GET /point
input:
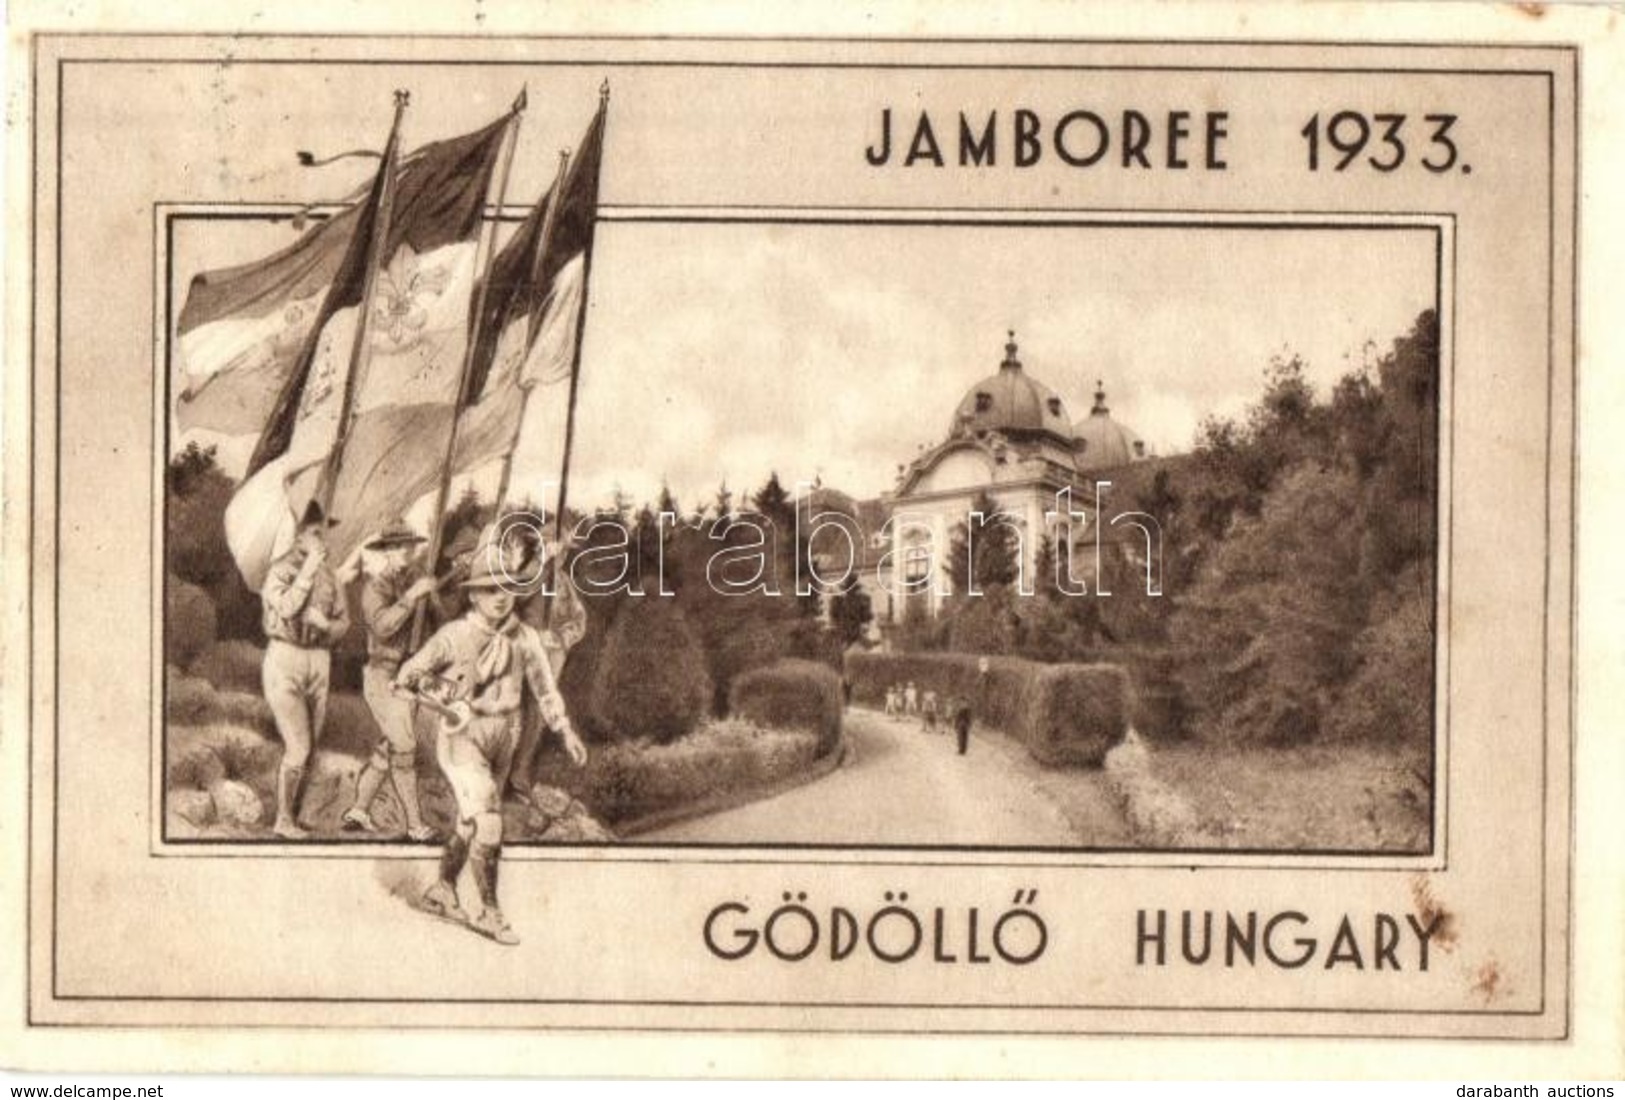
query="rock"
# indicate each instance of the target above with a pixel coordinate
(177, 827)
(191, 805)
(550, 801)
(578, 827)
(236, 803)
(329, 789)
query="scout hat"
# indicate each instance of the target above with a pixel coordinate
(397, 532)
(486, 566)
(485, 572)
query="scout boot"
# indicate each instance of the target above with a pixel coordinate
(492, 925)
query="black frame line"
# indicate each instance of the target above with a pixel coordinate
(989, 220)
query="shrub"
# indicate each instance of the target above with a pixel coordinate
(231, 665)
(792, 694)
(1062, 713)
(998, 699)
(189, 622)
(651, 679)
(205, 754)
(192, 700)
(630, 780)
(737, 645)
(1076, 713)
(985, 623)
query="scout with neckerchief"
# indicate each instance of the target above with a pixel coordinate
(304, 617)
(389, 601)
(476, 670)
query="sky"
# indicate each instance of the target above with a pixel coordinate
(724, 351)
(716, 352)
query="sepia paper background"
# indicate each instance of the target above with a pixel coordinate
(126, 928)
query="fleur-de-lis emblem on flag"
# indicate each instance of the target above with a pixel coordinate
(401, 303)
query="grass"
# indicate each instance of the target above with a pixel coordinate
(1346, 796)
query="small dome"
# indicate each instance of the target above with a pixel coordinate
(1103, 442)
(1012, 402)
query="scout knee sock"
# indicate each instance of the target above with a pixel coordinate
(288, 778)
(372, 778)
(453, 858)
(483, 863)
(403, 772)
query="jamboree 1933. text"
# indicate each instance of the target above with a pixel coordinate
(1333, 140)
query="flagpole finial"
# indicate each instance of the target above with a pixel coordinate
(603, 91)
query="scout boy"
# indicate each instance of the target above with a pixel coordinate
(485, 661)
(389, 602)
(304, 617)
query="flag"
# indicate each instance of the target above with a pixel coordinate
(527, 336)
(525, 278)
(242, 329)
(416, 336)
(393, 455)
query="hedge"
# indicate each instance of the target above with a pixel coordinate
(791, 694)
(1063, 713)
(189, 621)
(632, 780)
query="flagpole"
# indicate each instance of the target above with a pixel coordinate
(560, 184)
(581, 328)
(482, 287)
(361, 348)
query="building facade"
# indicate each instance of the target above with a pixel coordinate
(1011, 438)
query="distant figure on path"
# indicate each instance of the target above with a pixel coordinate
(959, 713)
(928, 711)
(911, 699)
(891, 702)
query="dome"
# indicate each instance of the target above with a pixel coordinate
(1103, 442)
(1012, 402)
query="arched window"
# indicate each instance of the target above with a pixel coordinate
(916, 564)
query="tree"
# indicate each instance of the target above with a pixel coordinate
(1264, 634)
(987, 623)
(198, 492)
(1045, 569)
(850, 612)
(773, 502)
(723, 508)
(983, 552)
(651, 678)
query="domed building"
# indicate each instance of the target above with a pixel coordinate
(1010, 437)
(1101, 442)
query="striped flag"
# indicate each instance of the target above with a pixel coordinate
(242, 329)
(416, 335)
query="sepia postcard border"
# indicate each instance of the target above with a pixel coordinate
(1570, 456)
(1442, 226)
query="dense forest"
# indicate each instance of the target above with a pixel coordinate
(1297, 597)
